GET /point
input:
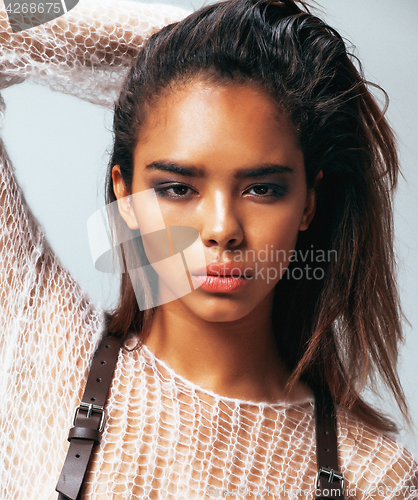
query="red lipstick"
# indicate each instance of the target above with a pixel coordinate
(220, 277)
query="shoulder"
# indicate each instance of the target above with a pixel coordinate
(375, 465)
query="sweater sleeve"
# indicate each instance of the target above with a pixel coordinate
(48, 327)
(85, 52)
(400, 479)
(375, 466)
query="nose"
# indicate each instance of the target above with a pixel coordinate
(221, 224)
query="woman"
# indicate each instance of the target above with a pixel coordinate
(248, 122)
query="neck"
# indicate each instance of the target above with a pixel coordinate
(237, 359)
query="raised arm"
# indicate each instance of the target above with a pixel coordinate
(48, 328)
(86, 51)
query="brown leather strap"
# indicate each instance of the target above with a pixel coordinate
(88, 419)
(329, 482)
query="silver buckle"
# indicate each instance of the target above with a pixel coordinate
(332, 474)
(90, 409)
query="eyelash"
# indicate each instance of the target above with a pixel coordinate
(277, 191)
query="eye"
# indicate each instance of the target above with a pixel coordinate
(266, 190)
(174, 191)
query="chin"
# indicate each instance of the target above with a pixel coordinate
(222, 317)
(217, 310)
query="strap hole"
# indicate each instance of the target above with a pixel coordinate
(326, 433)
(326, 449)
(107, 347)
(93, 399)
(77, 456)
(98, 379)
(102, 362)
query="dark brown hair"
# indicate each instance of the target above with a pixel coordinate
(345, 328)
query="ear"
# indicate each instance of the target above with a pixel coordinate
(310, 206)
(124, 199)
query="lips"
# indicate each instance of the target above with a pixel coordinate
(226, 270)
(220, 277)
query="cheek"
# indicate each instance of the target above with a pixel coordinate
(178, 213)
(275, 239)
(281, 226)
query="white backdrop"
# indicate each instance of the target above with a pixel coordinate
(59, 146)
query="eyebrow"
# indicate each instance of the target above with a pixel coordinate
(258, 171)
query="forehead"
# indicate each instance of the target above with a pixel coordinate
(207, 123)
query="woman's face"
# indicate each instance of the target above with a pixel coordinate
(223, 160)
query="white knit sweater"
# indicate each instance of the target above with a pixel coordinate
(164, 437)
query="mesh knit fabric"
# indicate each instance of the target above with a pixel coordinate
(164, 437)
